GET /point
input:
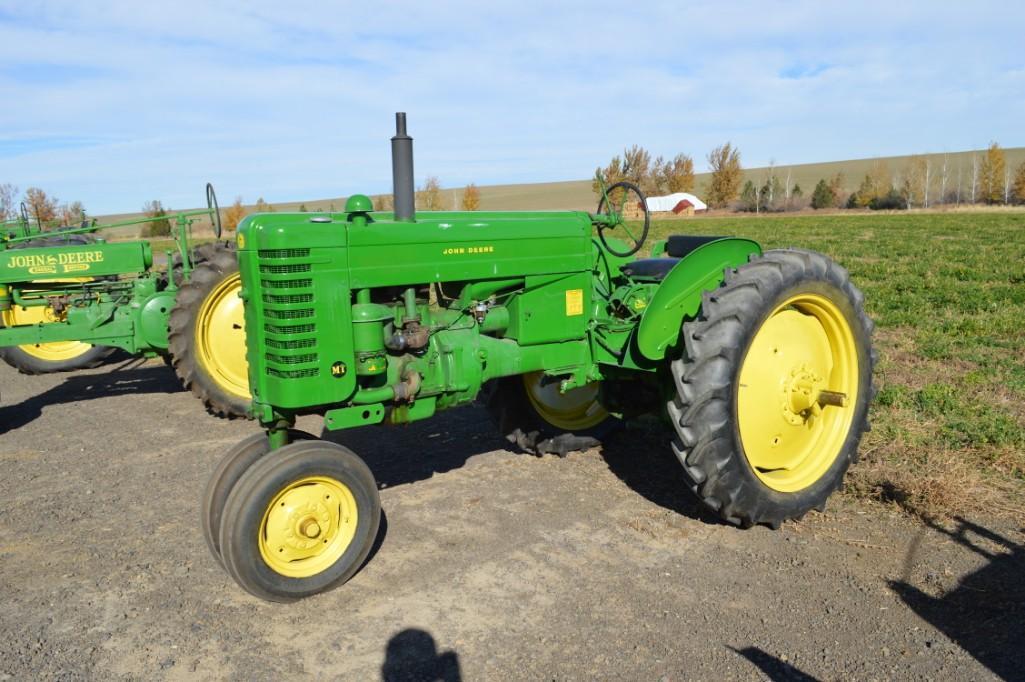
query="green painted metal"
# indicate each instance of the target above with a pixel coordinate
(679, 294)
(335, 305)
(63, 262)
(108, 293)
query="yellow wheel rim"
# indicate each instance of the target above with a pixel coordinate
(55, 351)
(221, 337)
(308, 526)
(797, 392)
(573, 410)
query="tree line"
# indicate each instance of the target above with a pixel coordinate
(920, 183)
(47, 210)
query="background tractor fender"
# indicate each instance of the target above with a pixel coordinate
(679, 294)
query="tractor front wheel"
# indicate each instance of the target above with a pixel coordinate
(533, 414)
(207, 336)
(229, 470)
(300, 522)
(773, 388)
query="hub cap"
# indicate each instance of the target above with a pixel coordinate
(797, 392)
(574, 410)
(221, 337)
(308, 526)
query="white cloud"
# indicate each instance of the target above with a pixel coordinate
(294, 101)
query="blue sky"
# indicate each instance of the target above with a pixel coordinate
(117, 103)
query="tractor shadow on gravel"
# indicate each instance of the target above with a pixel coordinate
(639, 456)
(985, 613)
(131, 377)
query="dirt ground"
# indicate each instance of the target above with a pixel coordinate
(491, 564)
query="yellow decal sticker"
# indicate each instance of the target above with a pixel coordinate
(241, 240)
(43, 270)
(574, 302)
(76, 267)
(640, 304)
(459, 250)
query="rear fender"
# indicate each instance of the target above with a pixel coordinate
(679, 294)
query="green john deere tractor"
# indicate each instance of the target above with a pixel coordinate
(760, 361)
(68, 299)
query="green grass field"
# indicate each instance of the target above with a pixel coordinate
(947, 293)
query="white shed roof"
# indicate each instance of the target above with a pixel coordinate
(669, 202)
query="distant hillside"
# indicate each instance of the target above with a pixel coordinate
(577, 195)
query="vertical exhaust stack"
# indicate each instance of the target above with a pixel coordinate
(402, 171)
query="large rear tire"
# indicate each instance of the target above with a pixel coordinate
(531, 413)
(773, 388)
(206, 336)
(57, 356)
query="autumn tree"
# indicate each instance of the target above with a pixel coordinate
(1018, 185)
(471, 198)
(71, 214)
(384, 202)
(8, 197)
(263, 207)
(727, 173)
(156, 228)
(675, 175)
(428, 197)
(40, 206)
(991, 175)
(234, 215)
(610, 175)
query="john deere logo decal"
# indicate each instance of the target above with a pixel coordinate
(47, 264)
(338, 369)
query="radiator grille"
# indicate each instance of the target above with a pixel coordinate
(284, 253)
(286, 269)
(290, 332)
(289, 314)
(286, 299)
(286, 284)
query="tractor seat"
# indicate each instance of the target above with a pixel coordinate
(649, 268)
(677, 247)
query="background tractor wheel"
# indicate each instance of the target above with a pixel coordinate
(206, 336)
(773, 388)
(233, 464)
(300, 522)
(57, 356)
(530, 412)
(200, 254)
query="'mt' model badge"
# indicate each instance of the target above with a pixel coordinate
(338, 369)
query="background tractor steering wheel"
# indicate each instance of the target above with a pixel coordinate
(215, 216)
(623, 206)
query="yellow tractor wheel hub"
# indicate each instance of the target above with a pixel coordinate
(221, 337)
(575, 410)
(797, 392)
(308, 526)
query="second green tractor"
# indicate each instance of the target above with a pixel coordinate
(69, 299)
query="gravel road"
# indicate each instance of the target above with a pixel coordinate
(491, 564)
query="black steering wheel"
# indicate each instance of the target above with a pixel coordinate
(215, 216)
(626, 208)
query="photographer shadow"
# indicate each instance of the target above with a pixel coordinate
(985, 613)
